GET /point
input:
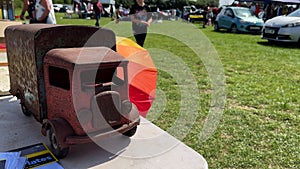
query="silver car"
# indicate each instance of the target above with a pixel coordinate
(283, 28)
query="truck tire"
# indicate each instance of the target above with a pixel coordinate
(56, 149)
(25, 111)
(130, 132)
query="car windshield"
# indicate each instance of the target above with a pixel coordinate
(295, 13)
(243, 12)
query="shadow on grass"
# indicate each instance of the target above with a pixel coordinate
(280, 44)
(238, 33)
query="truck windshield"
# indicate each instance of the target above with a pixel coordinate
(103, 77)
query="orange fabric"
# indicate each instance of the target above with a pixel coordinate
(142, 77)
(142, 74)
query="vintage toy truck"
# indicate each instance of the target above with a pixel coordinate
(72, 81)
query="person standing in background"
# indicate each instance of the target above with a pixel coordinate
(112, 13)
(28, 5)
(285, 10)
(269, 11)
(253, 7)
(257, 9)
(98, 10)
(44, 12)
(141, 19)
(205, 15)
(119, 13)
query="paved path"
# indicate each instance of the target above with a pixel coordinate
(4, 76)
(149, 148)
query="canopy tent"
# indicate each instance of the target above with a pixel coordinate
(225, 2)
(229, 2)
(287, 1)
(142, 74)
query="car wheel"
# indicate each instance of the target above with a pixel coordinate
(216, 26)
(234, 28)
(271, 41)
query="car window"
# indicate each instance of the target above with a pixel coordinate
(222, 11)
(243, 12)
(228, 12)
(295, 13)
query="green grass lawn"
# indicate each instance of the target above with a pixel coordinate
(260, 123)
(259, 127)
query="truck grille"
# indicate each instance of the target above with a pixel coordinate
(107, 110)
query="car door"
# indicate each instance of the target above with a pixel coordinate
(220, 18)
(228, 18)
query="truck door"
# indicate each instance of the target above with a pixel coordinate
(58, 92)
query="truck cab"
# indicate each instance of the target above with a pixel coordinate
(87, 89)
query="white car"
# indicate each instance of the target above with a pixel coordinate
(283, 28)
(57, 7)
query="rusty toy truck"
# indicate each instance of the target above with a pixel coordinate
(71, 79)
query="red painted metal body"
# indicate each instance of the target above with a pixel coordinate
(26, 47)
(76, 87)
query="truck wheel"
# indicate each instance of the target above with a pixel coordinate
(130, 132)
(25, 111)
(56, 149)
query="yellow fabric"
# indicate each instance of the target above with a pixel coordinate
(127, 42)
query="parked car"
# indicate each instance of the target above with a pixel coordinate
(57, 7)
(64, 8)
(283, 28)
(197, 15)
(238, 19)
(61, 7)
(192, 14)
